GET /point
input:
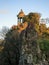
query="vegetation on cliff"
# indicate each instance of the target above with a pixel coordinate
(27, 38)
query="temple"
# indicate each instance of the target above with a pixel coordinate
(20, 16)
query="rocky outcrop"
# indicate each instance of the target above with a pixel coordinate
(22, 48)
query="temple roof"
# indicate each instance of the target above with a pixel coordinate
(21, 14)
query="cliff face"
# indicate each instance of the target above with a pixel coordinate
(23, 46)
(31, 53)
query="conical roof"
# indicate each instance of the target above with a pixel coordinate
(21, 14)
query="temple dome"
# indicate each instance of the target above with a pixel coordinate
(21, 14)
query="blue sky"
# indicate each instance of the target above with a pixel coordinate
(10, 8)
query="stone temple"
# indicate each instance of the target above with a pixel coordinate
(20, 16)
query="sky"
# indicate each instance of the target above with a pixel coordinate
(9, 10)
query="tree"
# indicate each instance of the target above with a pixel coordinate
(34, 18)
(44, 46)
(11, 52)
(3, 31)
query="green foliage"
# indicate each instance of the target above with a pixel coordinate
(34, 19)
(44, 45)
(45, 35)
(11, 52)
